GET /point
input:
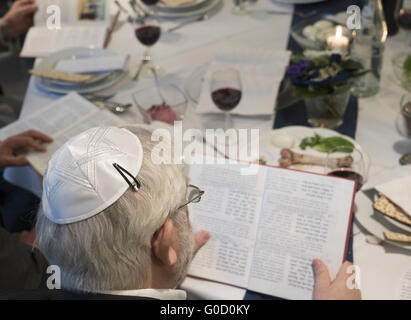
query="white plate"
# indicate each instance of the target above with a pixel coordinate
(208, 7)
(106, 83)
(72, 53)
(271, 153)
(183, 8)
(374, 222)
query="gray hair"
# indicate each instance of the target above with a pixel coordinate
(112, 250)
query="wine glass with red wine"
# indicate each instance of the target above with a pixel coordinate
(148, 32)
(226, 92)
(348, 162)
(403, 15)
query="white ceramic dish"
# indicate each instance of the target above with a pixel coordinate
(103, 80)
(198, 4)
(208, 7)
(106, 83)
(72, 54)
(271, 153)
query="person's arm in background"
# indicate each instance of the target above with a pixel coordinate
(21, 265)
(17, 20)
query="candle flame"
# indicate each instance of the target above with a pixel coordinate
(338, 32)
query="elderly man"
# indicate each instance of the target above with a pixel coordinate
(117, 223)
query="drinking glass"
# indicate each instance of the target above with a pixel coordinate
(226, 92)
(148, 32)
(403, 15)
(353, 165)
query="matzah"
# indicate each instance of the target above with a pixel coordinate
(62, 76)
(176, 3)
(395, 236)
(386, 207)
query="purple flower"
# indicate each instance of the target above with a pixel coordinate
(299, 69)
(335, 57)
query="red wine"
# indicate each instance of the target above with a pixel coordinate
(404, 19)
(344, 173)
(148, 35)
(226, 99)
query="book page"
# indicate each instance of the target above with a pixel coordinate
(40, 41)
(304, 216)
(73, 12)
(60, 120)
(229, 211)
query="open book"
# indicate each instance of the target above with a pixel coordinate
(266, 228)
(84, 23)
(61, 120)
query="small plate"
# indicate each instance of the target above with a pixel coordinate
(374, 222)
(271, 153)
(210, 6)
(183, 8)
(72, 54)
(305, 43)
(107, 82)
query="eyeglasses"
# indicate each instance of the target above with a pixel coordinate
(193, 195)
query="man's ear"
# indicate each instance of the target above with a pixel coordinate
(163, 244)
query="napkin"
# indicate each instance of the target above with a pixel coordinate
(261, 72)
(91, 65)
(398, 191)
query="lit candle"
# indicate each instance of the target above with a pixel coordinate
(339, 42)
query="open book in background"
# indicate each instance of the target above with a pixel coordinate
(266, 228)
(61, 120)
(84, 23)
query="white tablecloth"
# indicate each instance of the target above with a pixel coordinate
(180, 53)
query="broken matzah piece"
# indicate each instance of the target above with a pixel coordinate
(62, 76)
(386, 207)
(395, 236)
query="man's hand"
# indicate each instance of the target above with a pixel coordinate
(18, 19)
(325, 289)
(11, 147)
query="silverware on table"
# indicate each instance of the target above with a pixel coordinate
(115, 107)
(203, 17)
(146, 59)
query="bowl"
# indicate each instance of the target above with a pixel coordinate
(314, 43)
(146, 99)
(398, 64)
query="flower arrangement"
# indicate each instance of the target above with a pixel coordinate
(322, 75)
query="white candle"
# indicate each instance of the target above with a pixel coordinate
(339, 42)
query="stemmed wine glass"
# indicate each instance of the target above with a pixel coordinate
(148, 32)
(226, 92)
(353, 165)
(403, 15)
(403, 124)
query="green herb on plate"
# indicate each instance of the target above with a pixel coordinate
(327, 144)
